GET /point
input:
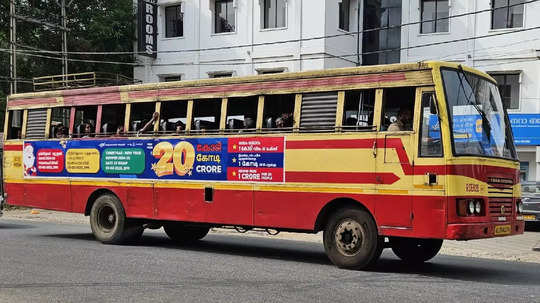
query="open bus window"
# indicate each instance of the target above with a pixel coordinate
(60, 122)
(358, 109)
(242, 113)
(173, 117)
(141, 114)
(398, 109)
(278, 111)
(15, 124)
(206, 114)
(112, 119)
(85, 121)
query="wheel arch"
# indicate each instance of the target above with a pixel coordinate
(96, 194)
(339, 203)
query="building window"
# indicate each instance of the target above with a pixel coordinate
(171, 78)
(434, 16)
(174, 21)
(506, 13)
(381, 40)
(344, 14)
(274, 13)
(509, 88)
(224, 16)
(267, 71)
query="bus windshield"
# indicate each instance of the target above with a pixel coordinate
(478, 121)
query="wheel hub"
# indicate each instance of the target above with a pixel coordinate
(106, 218)
(349, 237)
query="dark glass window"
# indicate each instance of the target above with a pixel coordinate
(174, 21)
(60, 122)
(509, 88)
(430, 128)
(274, 13)
(15, 124)
(221, 75)
(432, 12)
(506, 13)
(172, 78)
(381, 46)
(224, 16)
(344, 14)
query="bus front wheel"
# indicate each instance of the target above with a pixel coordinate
(109, 223)
(351, 239)
(413, 250)
(183, 233)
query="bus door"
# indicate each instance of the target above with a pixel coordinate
(395, 152)
(429, 169)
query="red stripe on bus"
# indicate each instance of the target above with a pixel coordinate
(17, 147)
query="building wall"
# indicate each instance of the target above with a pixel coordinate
(306, 19)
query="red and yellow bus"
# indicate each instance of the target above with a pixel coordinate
(392, 156)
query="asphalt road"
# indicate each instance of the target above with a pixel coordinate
(47, 262)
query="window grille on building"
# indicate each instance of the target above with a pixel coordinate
(224, 16)
(344, 14)
(509, 88)
(174, 21)
(506, 13)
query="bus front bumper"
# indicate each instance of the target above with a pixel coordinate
(470, 231)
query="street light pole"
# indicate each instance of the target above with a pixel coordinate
(64, 40)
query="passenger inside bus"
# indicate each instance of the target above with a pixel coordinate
(403, 121)
(155, 117)
(60, 132)
(285, 120)
(87, 130)
(179, 127)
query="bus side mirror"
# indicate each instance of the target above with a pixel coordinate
(433, 105)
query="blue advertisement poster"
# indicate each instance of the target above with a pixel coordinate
(526, 128)
(217, 159)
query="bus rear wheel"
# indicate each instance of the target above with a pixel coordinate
(184, 233)
(351, 239)
(109, 223)
(412, 250)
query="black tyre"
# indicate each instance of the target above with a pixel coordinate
(109, 223)
(351, 239)
(412, 250)
(184, 233)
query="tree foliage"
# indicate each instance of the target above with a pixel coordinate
(95, 26)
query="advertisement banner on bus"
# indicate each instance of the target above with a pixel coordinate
(214, 159)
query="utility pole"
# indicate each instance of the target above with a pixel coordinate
(64, 39)
(13, 47)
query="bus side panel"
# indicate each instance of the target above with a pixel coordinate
(15, 193)
(48, 195)
(297, 210)
(81, 193)
(228, 206)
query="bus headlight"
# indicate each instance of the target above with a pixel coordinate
(519, 206)
(471, 207)
(478, 207)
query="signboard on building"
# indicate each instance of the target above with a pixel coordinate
(147, 27)
(526, 128)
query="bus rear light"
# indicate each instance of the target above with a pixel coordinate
(470, 207)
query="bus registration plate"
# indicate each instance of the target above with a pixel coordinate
(502, 230)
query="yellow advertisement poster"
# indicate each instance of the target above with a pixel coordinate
(82, 160)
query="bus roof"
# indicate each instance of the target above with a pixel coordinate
(118, 94)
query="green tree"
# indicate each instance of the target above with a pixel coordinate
(95, 26)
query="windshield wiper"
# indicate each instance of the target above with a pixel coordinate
(486, 125)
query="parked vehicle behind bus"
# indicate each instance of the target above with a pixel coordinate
(393, 156)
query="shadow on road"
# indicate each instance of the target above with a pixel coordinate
(532, 226)
(5, 225)
(444, 267)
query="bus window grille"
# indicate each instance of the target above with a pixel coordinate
(36, 122)
(318, 111)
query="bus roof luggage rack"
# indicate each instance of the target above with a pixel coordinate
(80, 80)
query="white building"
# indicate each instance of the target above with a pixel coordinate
(201, 39)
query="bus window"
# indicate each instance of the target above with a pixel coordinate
(141, 113)
(59, 122)
(85, 118)
(206, 114)
(398, 109)
(242, 113)
(15, 124)
(112, 119)
(278, 111)
(358, 109)
(173, 117)
(430, 130)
